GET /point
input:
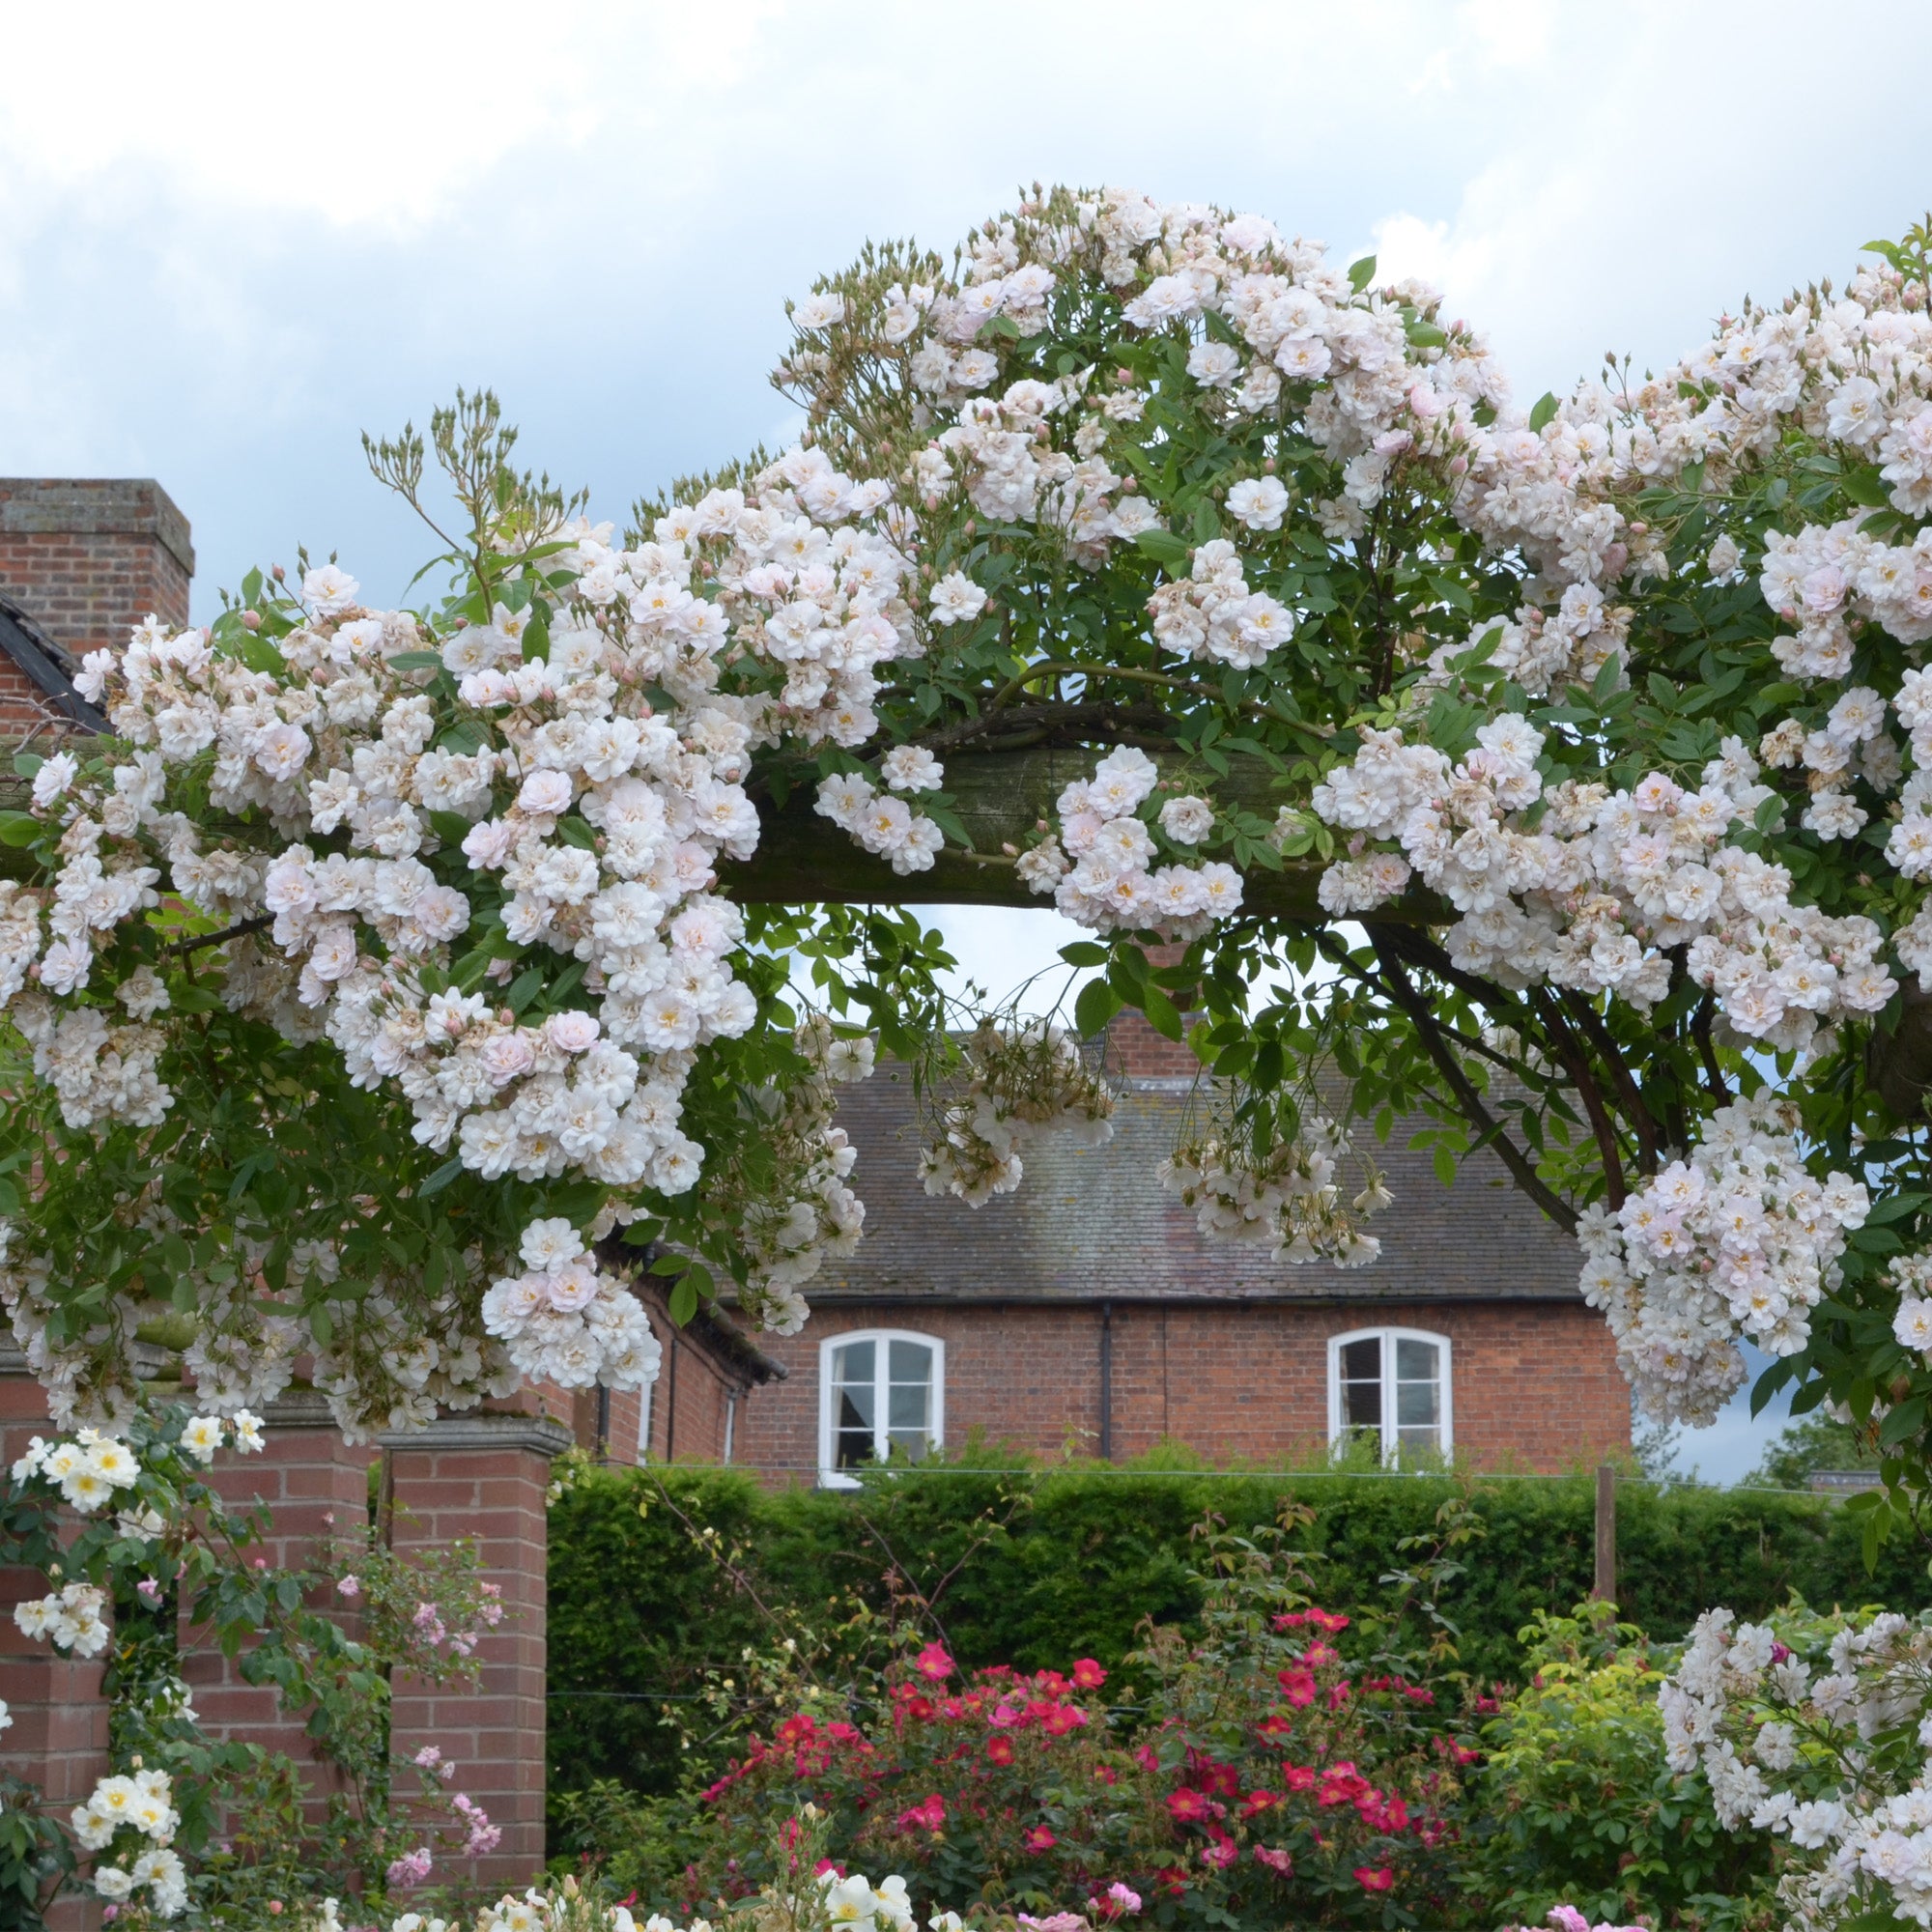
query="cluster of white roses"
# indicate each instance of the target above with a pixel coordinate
(881, 823)
(1302, 332)
(850, 1903)
(70, 1618)
(1825, 575)
(1604, 885)
(999, 451)
(141, 1803)
(100, 1072)
(1098, 864)
(1912, 1276)
(1211, 614)
(88, 1469)
(853, 1900)
(802, 1210)
(1018, 1082)
(1823, 1740)
(567, 1322)
(588, 823)
(403, 1357)
(1738, 1238)
(1285, 1194)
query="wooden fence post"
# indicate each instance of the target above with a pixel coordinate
(1606, 1534)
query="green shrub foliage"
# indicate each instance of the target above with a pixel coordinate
(660, 1582)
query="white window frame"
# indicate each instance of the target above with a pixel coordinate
(1338, 1425)
(830, 1475)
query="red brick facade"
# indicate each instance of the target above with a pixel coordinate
(1532, 1386)
(1089, 1277)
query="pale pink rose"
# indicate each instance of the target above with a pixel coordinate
(333, 953)
(507, 1055)
(571, 1031)
(545, 794)
(573, 1286)
(489, 845)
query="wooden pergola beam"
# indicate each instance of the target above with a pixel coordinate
(998, 797)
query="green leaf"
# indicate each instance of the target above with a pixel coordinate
(1361, 274)
(416, 661)
(1894, 1208)
(1864, 485)
(523, 989)
(1084, 952)
(1544, 412)
(694, 1282)
(1165, 548)
(1096, 1004)
(1161, 1013)
(1445, 1164)
(1426, 335)
(1904, 1422)
(442, 1178)
(19, 828)
(451, 827)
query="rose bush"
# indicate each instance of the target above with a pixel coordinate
(1261, 1777)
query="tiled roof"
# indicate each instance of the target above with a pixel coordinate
(1092, 1223)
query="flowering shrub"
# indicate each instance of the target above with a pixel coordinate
(134, 1544)
(1263, 1778)
(1576, 1809)
(1817, 1729)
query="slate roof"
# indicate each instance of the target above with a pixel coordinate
(1088, 1224)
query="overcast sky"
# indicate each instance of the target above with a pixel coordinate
(233, 237)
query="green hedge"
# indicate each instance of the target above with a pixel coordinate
(1047, 1566)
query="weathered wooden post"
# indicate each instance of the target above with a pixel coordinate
(1606, 1587)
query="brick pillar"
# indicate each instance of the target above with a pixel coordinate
(58, 1739)
(485, 1477)
(90, 557)
(306, 1474)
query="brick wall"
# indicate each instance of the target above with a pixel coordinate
(58, 1739)
(88, 558)
(1535, 1385)
(311, 1482)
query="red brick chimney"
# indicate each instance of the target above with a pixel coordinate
(88, 558)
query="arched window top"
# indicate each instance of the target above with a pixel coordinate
(1391, 1386)
(882, 1396)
